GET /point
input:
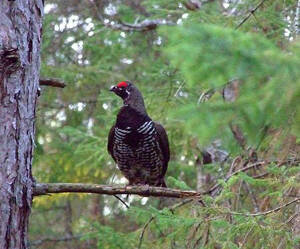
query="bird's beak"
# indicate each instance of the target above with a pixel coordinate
(112, 88)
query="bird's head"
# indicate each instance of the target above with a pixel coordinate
(122, 89)
(130, 94)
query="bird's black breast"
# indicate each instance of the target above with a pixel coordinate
(129, 124)
(129, 117)
(137, 149)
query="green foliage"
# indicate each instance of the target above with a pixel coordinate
(107, 237)
(215, 55)
(177, 184)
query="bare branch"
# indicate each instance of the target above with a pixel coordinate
(180, 204)
(143, 231)
(52, 82)
(47, 188)
(252, 195)
(246, 237)
(251, 166)
(267, 212)
(145, 25)
(250, 13)
(54, 239)
(125, 204)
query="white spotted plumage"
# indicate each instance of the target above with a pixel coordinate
(147, 155)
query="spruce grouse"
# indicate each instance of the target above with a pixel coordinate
(138, 145)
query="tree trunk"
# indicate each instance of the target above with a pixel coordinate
(20, 37)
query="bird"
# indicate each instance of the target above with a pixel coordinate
(138, 145)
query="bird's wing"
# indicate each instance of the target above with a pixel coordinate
(110, 143)
(164, 146)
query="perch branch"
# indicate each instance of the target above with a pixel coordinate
(48, 188)
(52, 82)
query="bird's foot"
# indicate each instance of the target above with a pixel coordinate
(146, 188)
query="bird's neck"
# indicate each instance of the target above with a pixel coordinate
(131, 117)
(136, 102)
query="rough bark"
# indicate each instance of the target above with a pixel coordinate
(20, 36)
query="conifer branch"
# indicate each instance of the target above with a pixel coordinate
(143, 190)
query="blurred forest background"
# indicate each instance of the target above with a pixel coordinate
(222, 76)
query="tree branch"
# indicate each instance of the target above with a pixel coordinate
(54, 239)
(52, 82)
(47, 188)
(266, 212)
(250, 13)
(145, 25)
(251, 166)
(125, 204)
(143, 231)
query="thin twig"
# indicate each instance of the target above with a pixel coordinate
(235, 173)
(266, 212)
(194, 229)
(49, 239)
(291, 218)
(180, 204)
(122, 201)
(250, 13)
(144, 25)
(253, 197)
(143, 231)
(246, 237)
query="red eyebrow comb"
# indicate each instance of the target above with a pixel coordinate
(122, 84)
